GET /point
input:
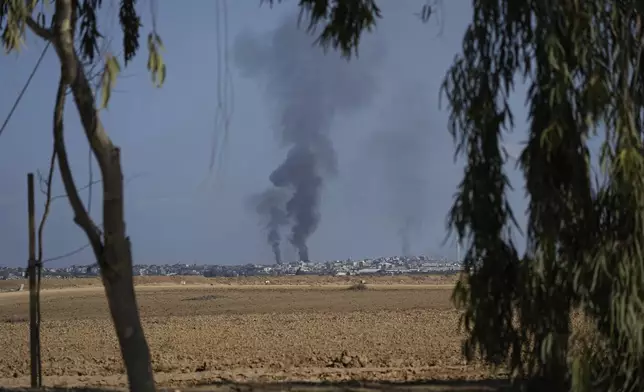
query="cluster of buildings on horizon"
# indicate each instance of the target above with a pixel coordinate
(382, 265)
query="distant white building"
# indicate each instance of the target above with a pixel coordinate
(366, 271)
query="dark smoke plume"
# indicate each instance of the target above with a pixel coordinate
(270, 205)
(401, 147)
(307, 89)
(299, 171)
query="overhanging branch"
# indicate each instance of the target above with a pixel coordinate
(37, 29)
(81, 216)
(44, 183)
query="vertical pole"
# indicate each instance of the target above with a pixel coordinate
(34, 333)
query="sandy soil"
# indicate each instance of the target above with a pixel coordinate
(302, 280)
(212, 331)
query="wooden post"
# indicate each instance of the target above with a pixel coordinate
(34, 323)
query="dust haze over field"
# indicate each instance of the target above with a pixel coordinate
(308, 88)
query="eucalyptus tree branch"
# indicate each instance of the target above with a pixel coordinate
(37, 29)
(81, 216)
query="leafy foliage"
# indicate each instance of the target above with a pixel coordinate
(130, 23)
(156, 66)
(16, 15)
(88, 28)
(12, 26)
(344, 21)
(584, 240)
(108, 79)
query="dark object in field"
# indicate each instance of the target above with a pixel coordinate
(207, 297)
(15, 319)
(358, 286)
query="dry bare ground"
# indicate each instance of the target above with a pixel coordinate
(236, 334)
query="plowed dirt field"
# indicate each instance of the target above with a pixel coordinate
(206, 332)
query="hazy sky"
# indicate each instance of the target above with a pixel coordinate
(176, 209)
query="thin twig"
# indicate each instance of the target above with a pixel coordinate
(43, 184)
(91, 180)
(68, 254)
(45, 214)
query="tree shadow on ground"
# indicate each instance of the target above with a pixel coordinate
(353, 386)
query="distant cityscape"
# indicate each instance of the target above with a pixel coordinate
(396, 265)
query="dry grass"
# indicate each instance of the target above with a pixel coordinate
(210, 331)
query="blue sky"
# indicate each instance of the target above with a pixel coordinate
(176, 208)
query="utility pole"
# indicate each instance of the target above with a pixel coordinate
(34, 314)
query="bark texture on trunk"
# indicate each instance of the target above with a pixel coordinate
(125, 315)
(112, 246)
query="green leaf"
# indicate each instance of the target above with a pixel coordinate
(111, 70)
(156, 65)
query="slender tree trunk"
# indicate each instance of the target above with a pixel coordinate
(119, 283)
(112, 251)
(121, 299)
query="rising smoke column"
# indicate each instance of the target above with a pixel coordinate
(400, 149)
(302, 206)
(270, 205)
(307, 89)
